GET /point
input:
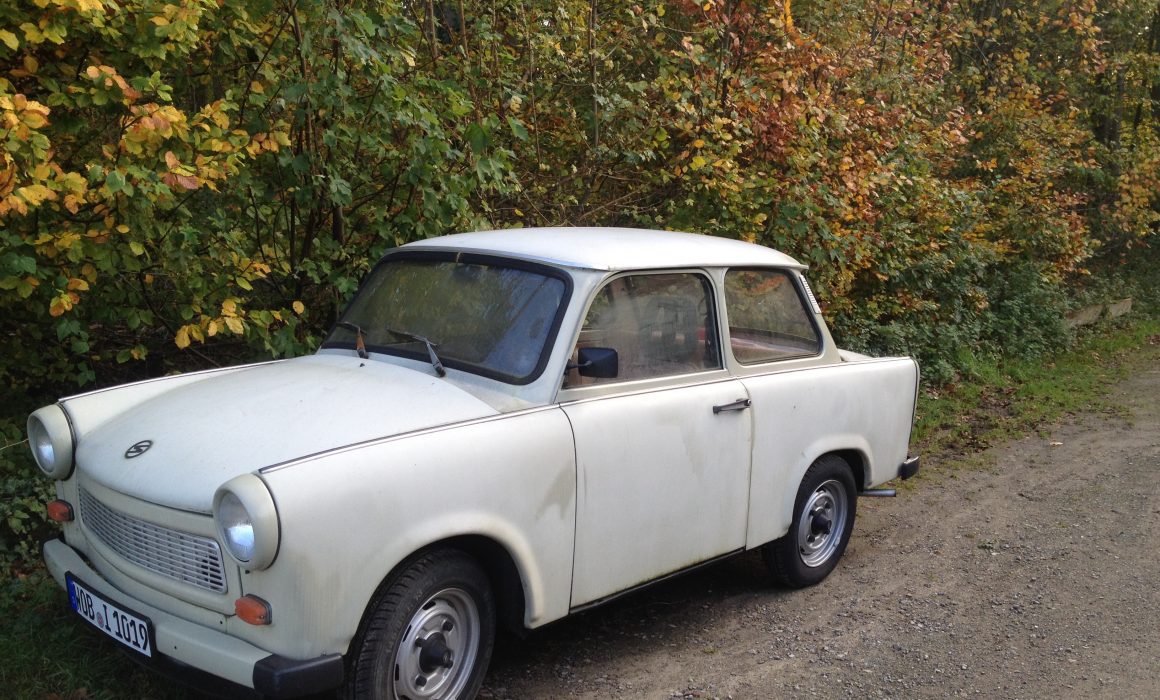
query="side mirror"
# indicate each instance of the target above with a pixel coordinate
(601, 363)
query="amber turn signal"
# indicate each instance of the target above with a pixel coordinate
(252, 609)
(60, 511)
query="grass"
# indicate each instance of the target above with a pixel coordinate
(998, 400)
(49, 655)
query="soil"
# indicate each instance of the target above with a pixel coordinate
(1030, 573)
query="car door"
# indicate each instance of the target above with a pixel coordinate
(775, 347)
(662, 449)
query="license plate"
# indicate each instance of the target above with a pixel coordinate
(125, 626)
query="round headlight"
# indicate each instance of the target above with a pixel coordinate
(237, 527)
(51, 440)
(247, 521)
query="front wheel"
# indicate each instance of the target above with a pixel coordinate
(822, 522)
(430, 634)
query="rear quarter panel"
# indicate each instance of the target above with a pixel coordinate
(800, 415)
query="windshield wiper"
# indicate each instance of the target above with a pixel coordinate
(360, 345)
(430, 349)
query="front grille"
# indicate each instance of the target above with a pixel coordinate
(191, 559)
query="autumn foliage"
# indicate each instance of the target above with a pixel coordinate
(191, 183)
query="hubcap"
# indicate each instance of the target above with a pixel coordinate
(437, 652)
(822, 522)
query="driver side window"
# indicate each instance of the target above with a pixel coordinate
(659, 325)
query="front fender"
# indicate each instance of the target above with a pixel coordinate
(350, 517)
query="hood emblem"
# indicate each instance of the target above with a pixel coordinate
(138, 449)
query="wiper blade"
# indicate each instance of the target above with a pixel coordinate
(360, 345)
(430, 349)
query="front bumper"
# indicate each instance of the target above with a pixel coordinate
(202, 656)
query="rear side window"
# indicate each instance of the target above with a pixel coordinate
(768, 317)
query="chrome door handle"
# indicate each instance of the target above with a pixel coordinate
(738, 405)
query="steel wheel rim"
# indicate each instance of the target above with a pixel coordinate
(438, 649)
(822, 522)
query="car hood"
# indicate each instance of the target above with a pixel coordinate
(206, 432)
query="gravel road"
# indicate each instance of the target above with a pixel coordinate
(1030, 574)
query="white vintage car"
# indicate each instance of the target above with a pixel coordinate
(504, 428)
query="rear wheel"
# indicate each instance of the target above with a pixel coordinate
(430, 634)
(822, 522)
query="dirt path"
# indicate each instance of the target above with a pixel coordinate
(1032, 576)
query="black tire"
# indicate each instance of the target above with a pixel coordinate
(823, 518)
(429, 635)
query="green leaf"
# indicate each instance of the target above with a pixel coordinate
(518, 129)
(115, 181)
(478, 138)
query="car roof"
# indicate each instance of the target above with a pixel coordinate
(610, 248)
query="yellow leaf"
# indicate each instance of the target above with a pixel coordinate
(699, 143)
(60, 304)
(229, 307)
(10, 39)
(235, 324)
(159, 21)
(213, 328)
(35, 194)
(34, 119)
(32, 33)
(72, 182)
(182, 338)
(79, 284)
(299, 308)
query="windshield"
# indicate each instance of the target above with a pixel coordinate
(480, 314)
